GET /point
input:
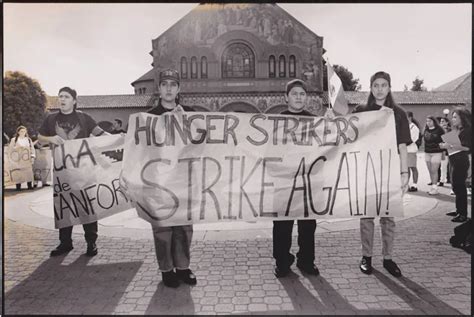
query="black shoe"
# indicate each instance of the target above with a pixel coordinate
(61, 249)
(441, 184)
(452, 213)
(459, 218)
(366, 265)
(46, 184)
(170, 279)
(308, 269)
(187, 276)
(430, 184)
(282, 272)
(392, 268)
(412, 189)
(91, 249)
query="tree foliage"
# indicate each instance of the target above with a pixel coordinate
(346, 76)
(418, 85)
(24, 103)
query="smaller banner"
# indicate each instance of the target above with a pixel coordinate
(42, 165)
(86, 180)
(17, 167)
(337, 99)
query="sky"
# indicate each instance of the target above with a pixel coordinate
(99, 49)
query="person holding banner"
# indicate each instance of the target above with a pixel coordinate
(381, 96)
(22, 140)
(69, 124)
(295, 96)
(458, 143)
(172, 244)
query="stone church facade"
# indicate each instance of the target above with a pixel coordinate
(237, 57)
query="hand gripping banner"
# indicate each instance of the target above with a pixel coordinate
(183, 168)
(86, 180)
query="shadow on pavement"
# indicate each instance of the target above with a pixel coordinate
(77, 288)
(171, 301)
(419, 298)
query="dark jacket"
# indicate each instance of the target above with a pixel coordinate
(432, 140)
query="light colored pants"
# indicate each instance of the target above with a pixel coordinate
(387, 226)
(444, 170)
(172, 246)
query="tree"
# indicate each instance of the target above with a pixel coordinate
(346, 76)
(418, 85)
(24, 103)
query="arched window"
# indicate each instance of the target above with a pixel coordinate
(292, 62)
(184, 68)
(282, 66)
(238, 61)
(203, 67)
(271, 66)
(194, 71)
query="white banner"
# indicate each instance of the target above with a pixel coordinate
(17, 165)
(42, 165)
(210, 167)
(86, 180)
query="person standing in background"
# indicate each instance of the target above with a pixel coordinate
(433, 153)
(459, 159)
(412, 150)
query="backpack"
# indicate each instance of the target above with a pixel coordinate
(463, 237)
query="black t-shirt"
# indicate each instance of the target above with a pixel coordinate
(160, 109)
(465, 136)
(432, 138)
(301, 113)
(76, 125)
(402, 125)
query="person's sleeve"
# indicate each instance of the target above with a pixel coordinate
(32, 149)
(44, 129)
(403, 129)
(414, 133)
(466, 139)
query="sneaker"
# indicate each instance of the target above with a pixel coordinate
(46, 184)
(61, 249)
(308, 269)
(412, 189)
(170, 279)
(392, 268)
(440, 184)
(366, 265)
(91, 249)
(459, 218)
(452, 213)
(187, 276)
(430, 184)
(451, 193)
(433, 191)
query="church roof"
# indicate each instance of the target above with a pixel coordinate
(456, 84)
(105, 101)
(353, 98)
(146, 77)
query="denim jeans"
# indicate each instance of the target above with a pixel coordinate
(387, 226)
(172, 246)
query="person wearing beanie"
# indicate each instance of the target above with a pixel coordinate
(69, 124)
(172, 244)
(295, 95)
(433, 152)
(381, 96)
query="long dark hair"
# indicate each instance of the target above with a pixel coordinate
(448, 121)
(465, 117)
(435, 121)
(410, 115)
